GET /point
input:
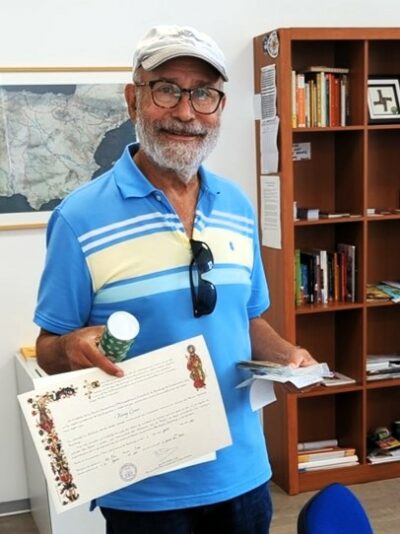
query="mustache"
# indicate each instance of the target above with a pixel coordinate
(180, 128)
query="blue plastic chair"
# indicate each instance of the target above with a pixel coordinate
(333, 510)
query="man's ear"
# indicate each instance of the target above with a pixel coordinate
(223, 102)
(130, 97)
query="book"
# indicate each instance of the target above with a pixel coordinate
(331, 466)
(297, 278)
(349, 284)
(382, 361)
(333, 214)
(392, 283)
(323, 68)
(392, 292)
(337, 379)
(294, 99)
(300, 101)
(328, 461)
(310, 445)
(382, 211)
(382, 456)
(329, 452)
(323, 260)
(308, 270)
(383, 376)
(309, 214)
(374, 294)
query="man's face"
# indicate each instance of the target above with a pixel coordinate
(178, 138)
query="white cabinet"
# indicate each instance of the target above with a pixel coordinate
(78, 520)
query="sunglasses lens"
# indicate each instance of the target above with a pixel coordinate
(206, 298)
(202, 256)
(204, 293)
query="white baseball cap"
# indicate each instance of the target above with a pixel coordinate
(162, 43)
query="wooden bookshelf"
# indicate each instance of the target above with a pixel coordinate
(352, 168)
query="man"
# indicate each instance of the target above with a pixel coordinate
(163, 238)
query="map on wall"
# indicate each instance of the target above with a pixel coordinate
(54, 138)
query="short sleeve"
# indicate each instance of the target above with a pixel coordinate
(65, 291)
(259, 297)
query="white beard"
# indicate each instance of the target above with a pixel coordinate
(182, 158)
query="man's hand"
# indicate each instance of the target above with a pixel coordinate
(76, 350)
(299, 357)
(267, 344)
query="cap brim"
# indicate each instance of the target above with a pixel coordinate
(162, 56)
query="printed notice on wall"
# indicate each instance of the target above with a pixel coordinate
(268, 92)
(271, 211)
(301, 151)
(269, 145)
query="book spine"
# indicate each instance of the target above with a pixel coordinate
(314, 114)
(324, 276)
(294, 106)
(308, 104)
(344, 100)
(319, 99)
(309, 445)
(323, 100)
(297, 275)
(328, 461)
(336, 278)
(332, 453)
(300, 100)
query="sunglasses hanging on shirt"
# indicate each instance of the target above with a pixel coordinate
(204, 293)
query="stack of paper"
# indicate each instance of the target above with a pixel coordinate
(264, 374)
(383, 366)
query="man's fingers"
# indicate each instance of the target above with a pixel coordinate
(90, 356)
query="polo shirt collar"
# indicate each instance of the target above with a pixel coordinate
(129, 179)
(133, 183)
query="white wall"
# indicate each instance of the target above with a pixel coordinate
(101, 32)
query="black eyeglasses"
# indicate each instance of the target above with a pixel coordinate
(168, 95)
(204, 293)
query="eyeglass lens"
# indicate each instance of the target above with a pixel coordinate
(204, 293)
(203, 99)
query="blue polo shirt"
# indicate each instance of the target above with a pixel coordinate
(116, 243)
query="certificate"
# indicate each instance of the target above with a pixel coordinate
(95, 433)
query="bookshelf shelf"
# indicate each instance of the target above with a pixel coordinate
(335, 128)
(339, 220)
(327, 308)
(381, 384)
(322, 391)
(350, 168)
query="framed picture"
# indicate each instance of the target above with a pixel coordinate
(59, 128)
(383, 100)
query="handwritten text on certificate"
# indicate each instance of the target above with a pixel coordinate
(95, 433)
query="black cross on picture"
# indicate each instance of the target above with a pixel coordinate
(383, 100)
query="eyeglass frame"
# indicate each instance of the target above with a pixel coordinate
(189, 92)
(202, 283)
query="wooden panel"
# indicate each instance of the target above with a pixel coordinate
(317, 420)
(383, 261)
(383, 168)
(381, 61)
(383, 331)
(383, 407)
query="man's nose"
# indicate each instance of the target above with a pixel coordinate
(184, 109)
